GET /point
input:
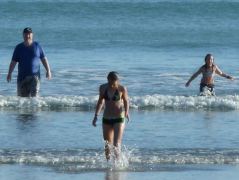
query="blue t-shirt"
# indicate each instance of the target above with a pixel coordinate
(28, 58)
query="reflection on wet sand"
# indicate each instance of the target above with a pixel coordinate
(115, 175)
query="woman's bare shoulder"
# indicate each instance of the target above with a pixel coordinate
(103, 87)
(122, 88)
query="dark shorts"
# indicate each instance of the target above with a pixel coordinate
(112, 122)
(209, 86)
(28, 87)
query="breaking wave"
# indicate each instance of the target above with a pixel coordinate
(148, 102)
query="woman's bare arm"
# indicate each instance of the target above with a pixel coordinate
(220, 73)
(99, 106)
(194, 76)
(126, 102)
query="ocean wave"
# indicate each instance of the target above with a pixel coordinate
(81, 160)
(49, 103)
(148, 102)
(228, 102)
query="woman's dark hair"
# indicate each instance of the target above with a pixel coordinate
(113, 75)
(205, 59)
(207, 56)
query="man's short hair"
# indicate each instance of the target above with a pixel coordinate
(27, 30)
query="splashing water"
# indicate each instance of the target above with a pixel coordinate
(121, 162)
(92, 160)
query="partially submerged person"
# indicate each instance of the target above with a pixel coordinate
(115, 98)
(28, 55)
(208, 71)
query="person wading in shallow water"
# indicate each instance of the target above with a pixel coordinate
(115, 98)
(28, 55)
(208, 71)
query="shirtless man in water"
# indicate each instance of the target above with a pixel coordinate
(208, 70)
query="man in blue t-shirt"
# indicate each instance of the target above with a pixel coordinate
(28, 55)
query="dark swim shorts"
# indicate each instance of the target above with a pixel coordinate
(112, 121)
(28, 87)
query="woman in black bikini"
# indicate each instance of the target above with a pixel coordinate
(208, 70)
(115, 98)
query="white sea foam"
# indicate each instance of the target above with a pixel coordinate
(155, 102)
(50, 102)
(139, 160)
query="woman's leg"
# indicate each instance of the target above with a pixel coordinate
(201, 87)
(118, 135)
(108, 134)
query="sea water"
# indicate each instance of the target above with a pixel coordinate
(155, 45)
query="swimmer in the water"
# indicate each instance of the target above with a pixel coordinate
(208, 71)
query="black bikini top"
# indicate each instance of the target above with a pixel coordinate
(115, 97)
